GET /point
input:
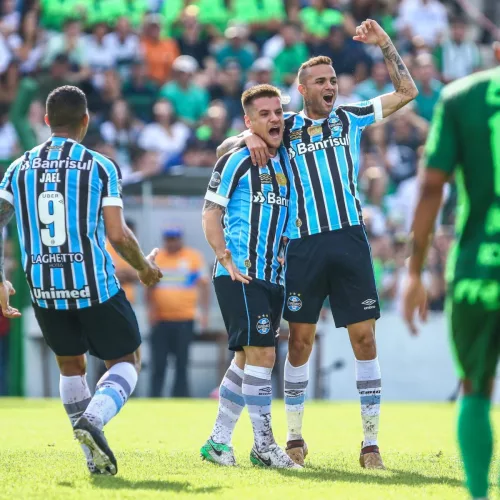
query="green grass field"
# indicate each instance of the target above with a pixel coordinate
(157, 443)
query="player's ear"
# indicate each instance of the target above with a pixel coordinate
(248, 123)
(86, 119)
(46, 120)
(302, 89)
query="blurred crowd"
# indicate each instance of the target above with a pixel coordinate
(164, 80)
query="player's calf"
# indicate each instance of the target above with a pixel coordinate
(217, 448)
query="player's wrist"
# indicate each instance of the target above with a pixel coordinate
(384, 41)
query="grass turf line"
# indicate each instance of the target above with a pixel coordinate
(157, 443)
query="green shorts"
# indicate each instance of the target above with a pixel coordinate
(475, 339)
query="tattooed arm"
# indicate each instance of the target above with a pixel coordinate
(6, 288)
(237, 141)
(125, 243)
(405, 89)
(259, 151)
(214, 233)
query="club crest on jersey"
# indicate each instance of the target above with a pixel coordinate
(294, 303)
(335, 125)
(215, 180)
(263, 325)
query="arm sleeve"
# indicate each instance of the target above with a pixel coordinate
(111, 178)
(365, 113)
(225, 177)
(442, 147)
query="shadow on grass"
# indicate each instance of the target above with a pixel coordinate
(388, 477)
(118, 483)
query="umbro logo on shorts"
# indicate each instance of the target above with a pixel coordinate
(369, 303)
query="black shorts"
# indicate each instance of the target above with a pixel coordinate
(251, 313)
(336, 264)
(108, 330)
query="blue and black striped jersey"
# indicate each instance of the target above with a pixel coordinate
(256, 201)
(58, 190)
(324, 157)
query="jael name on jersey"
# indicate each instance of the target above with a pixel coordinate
(53, 293)
(271, 198)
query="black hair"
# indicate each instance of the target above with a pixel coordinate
(66, 107)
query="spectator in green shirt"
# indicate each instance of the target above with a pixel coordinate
(236, 48)
(429, 88)
(294, 53)
(53, 13)
(190, 101)
(317, 20)
(140, 92)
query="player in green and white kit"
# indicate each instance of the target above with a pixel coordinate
(465, 140)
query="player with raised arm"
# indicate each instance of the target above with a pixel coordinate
(328, 253)
(243, 219)
(464, 141)
(66, 199)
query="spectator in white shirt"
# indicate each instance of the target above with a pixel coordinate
(125, 46)
(457, 57)
(99, 56)
(165, 135)
(424, 18)
(9, 148)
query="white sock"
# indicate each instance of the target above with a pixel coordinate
(368, 381)
(75, 396)
(257, 393)
(231, 404)
(111, 393)
(296, 380)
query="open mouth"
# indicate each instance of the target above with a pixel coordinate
(274, 132)
(328, 98)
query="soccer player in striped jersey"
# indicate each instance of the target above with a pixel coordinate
(328, 254)
(66, 199)
(244, 217)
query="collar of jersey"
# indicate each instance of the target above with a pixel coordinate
(52, 137)
(316, 122)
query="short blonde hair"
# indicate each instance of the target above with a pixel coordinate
(263, 90)
(314, 61)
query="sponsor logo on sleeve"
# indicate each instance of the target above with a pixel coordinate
(215, 180)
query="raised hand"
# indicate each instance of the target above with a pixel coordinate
(370, 32)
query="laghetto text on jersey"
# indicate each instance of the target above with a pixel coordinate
(256, 202)
(58, 191)
(324, 158)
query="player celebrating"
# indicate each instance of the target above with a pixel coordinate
(66, 198)
(328, 253)
(469, 146)
(247, 277)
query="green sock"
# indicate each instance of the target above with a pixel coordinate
(476, 442)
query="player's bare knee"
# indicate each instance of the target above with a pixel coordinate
(299, 349)
(261, 356)
(71, 366)
(133, 358)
